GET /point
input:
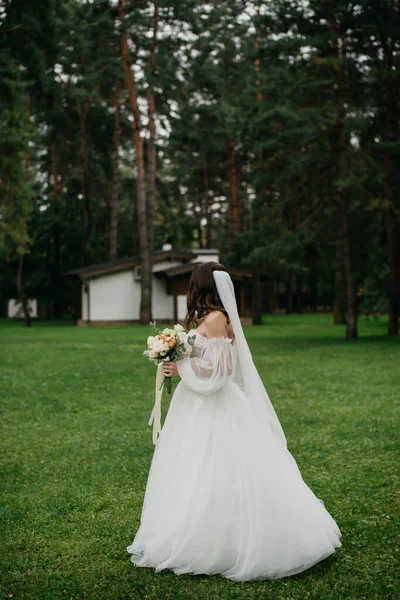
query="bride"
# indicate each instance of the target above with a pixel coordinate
(224, 495)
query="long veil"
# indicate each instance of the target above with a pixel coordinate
(246, 373)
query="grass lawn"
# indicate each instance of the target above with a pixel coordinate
(76, 450)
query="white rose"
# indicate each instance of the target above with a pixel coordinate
(182, 337)
(168, 332)
(152, 354)
(178, 328)
(157, 345)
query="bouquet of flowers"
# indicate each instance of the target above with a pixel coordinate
(170, 344)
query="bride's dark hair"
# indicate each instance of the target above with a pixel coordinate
(202, 297)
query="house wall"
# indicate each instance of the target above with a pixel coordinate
(182, 309)
(116, 297)
(162, 304)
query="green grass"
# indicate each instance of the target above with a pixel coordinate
(76, 450)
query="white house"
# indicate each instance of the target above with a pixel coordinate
(110, 292)
(15, 310)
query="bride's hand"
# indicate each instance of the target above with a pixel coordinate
(170, 369)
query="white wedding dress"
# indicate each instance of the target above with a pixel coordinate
(224, 495)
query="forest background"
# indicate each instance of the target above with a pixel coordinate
(269, 130)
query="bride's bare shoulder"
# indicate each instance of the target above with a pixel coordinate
(215, 316)
(216, 324)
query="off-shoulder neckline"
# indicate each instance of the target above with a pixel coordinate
(214, 339)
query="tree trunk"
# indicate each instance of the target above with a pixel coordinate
(151, 144)
(290, 292)
(391, 219)
(234, 208)
(141, 196)
(339, 306)
(313, 283)
(257, 61)
(56, 279)
(85, 178)
(394, 268)
(299, 301)
(351, 329)
(256, 300)
(21, 296)
(341, 195)
(115, 179)
(207, 205)
(108, 192)
(151, 170)
(256, 296)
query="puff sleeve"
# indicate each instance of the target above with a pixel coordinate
(208, 373)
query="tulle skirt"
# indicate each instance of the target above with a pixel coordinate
(224, 497)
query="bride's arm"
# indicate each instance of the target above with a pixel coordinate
(208, 373)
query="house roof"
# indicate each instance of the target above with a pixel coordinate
(183, 269)
(123, 264)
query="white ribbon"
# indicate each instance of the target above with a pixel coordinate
(155, 416)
